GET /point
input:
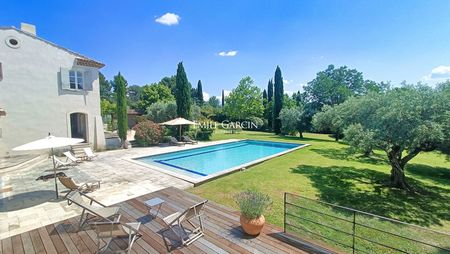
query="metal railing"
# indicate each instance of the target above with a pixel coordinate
(355, 231)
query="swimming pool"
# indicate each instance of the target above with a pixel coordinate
(204, 162)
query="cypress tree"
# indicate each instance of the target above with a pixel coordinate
(264, 96)
(278, 100)
(183, 93)
(223, 98)
(120, 85)
(270, 90)
(200, 93)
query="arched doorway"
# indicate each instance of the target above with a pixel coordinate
(78, 125)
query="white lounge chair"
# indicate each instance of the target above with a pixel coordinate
(175, 220)
(59, 163)
(70, 184)
(93, 208)
(107, 231)
(89, 153)
(71, 157)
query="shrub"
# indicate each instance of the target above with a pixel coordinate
(256, 121)
(252, 203)
(148, 133)
(204, 133)
(162, 111)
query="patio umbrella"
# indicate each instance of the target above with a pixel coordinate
(180, 122)
(49, 142)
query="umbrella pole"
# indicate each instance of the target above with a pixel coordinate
(54, 172)
(180, 133)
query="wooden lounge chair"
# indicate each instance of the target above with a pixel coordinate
(174, 141)
(175, 220)
(70, 157)
(89, 153)
(60, 164)
(188, 140)
(92, 208)
(107, 231)
(70, 184)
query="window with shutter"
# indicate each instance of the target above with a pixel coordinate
(72, 79)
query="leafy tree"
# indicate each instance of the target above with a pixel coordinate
(372, 86)
(404, 122)
(120, 85)
(200, 93)
(333, 86)
(278, 100)
(105, 88)
(289, 102)
(134, 95)
(154, 93)
(171, 83)
(214, 102)
(359, 139)
(244, 101)
(107, 107)
(329, 119)
(290, 118)
(183, 93)
(160, 112)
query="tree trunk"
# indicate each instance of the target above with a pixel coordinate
(301, 134)
(398, 178)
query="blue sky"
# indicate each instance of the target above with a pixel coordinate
(386, 40)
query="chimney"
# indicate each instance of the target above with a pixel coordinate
(29, 28)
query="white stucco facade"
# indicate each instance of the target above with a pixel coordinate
(36, 95)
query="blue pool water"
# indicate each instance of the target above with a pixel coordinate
(208, 160)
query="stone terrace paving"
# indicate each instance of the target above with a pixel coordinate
(29, 204)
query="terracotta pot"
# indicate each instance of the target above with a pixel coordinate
(252, 226)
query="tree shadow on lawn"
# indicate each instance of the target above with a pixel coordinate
(288, 138)
(345, 154)
(437, 174)
(364, 189)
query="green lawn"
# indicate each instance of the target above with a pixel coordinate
(325, 171)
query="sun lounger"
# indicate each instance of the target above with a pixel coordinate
(70, 184)
(107, 231)
(59, 163)
(175, 220)
(92, 208)
(174, 141)
(188, 140)
(89, 153)
(70, 157)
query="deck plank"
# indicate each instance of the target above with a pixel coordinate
(37, 242)
(17, 245)
(27, 243)
(223, 233)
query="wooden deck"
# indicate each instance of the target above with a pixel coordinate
(222, 232)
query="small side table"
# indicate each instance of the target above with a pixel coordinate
(152, 203)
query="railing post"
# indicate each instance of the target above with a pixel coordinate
(284, 213)
(353, 232)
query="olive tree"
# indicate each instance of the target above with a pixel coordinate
(402, 122)
(290, 120)
(328, 120)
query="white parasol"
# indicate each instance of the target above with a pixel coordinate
(179, 121)
(49, 142)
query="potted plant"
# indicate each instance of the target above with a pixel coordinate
(252, 205)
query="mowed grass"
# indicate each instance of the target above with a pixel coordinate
(326, 171)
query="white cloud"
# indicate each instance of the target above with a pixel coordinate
(168, 19)
(287, 81)
(228, 53)
(437, 74)
(206, 96)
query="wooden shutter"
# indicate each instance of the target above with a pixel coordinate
(87, 80)
(64, 73)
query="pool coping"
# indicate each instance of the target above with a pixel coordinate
(200, 180)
